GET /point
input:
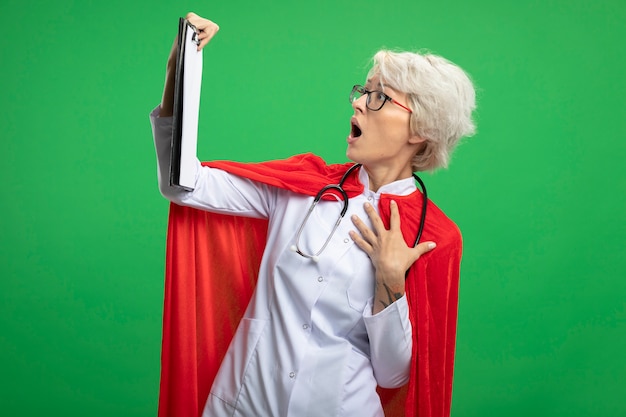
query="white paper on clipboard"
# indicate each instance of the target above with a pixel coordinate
(186, 108)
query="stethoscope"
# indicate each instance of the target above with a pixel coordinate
(339, 188)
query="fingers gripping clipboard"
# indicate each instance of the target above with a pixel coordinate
(186, 107)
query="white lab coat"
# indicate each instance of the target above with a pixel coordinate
(308, 344)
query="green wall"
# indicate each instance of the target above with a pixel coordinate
(539, 192)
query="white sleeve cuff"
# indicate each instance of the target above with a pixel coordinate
(391, 342)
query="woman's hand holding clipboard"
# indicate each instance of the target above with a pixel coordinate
(205, 30)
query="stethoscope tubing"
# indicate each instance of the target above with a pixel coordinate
(339, 188)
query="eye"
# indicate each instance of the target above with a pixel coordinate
(378, 97)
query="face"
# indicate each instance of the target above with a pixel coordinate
(381, 139)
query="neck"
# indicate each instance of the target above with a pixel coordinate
(381, 176)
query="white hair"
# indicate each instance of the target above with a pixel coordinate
(441, 96)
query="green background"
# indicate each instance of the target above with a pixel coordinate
(539, 192)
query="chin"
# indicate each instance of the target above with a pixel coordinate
(351, 154)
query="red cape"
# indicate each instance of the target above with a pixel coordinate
(201, 312)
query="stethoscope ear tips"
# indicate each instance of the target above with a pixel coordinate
(293, 248)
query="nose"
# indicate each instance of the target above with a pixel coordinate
(360, 103)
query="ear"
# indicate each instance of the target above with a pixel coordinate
(414, 140)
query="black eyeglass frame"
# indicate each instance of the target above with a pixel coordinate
(362, 91)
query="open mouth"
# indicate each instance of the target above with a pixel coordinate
(355, 131)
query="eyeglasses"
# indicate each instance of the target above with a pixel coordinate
(375, 99)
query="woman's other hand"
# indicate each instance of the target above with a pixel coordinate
(389, 253)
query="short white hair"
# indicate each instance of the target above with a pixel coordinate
(441, 96)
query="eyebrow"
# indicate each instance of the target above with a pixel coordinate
(379, 85)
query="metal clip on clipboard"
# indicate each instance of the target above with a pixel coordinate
(194, 36)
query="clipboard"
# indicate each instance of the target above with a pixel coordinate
(188, 80)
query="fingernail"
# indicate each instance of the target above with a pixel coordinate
(432, 245)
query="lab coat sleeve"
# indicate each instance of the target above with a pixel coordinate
(390, 335)
(214, 190)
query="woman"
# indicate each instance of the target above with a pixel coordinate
(329, 325)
